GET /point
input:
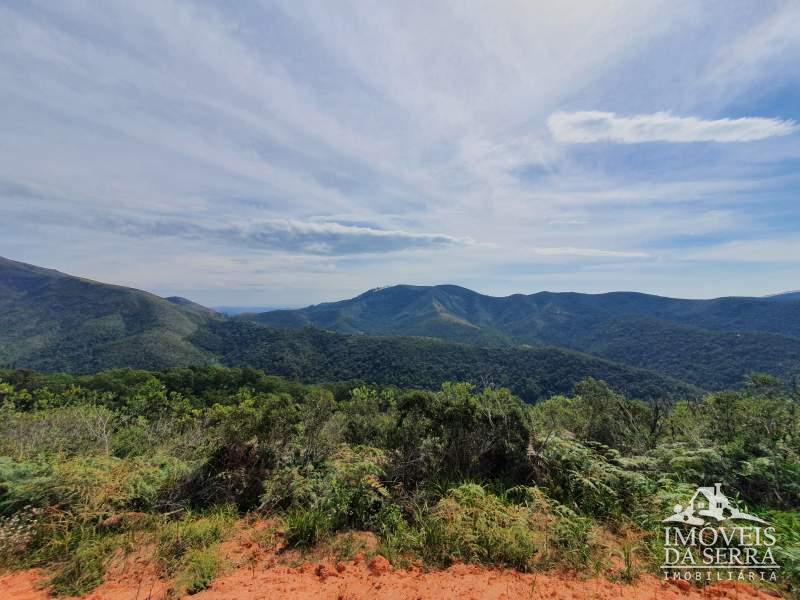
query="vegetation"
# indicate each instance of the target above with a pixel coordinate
(54, 322)
(312, 355)
(712, 344)
(93, 465)
(537, 346)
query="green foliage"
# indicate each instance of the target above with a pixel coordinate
(456, 434)
(201, 566)
(180, 539)
(473, 525)
(590, 479)
(533, 373)
(713, 344)
(307, 526)
(787, 550)
(84, 567)
(461, 473)
(90, 487)
(344, 492)
(571, 539)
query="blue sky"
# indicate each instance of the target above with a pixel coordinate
(287, 153)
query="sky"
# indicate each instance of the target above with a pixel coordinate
(260, 153)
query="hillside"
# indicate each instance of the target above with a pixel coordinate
(312, 355)
(785, 297)
(715, 360)
(714, 343)
(53, 321)
(220, 483)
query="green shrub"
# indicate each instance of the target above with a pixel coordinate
(84, 566)
(307, 526)
(474, 526)
(344, 492)
(571, 540)
(89, 487)
(787, 549)
(590, 479)
(178, 539)
(200, 567)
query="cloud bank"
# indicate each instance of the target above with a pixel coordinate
(587, 127)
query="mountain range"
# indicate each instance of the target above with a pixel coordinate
(539, 344)
(710, 343)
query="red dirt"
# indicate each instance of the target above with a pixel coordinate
(22, 585)
(258, 572)
(460, 581)
(376, 580)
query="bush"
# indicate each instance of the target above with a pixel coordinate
(201, 566)
(178, 539)
(787, 550)
(590, 479)
(344, 492)
(84, 566)
(306, 526)
(89, 487)
(571, 540)
(475, 526)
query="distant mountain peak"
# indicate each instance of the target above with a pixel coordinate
(670, 335)
(54, 321)
(784, 296)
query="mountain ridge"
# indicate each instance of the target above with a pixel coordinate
(52, 321)
(731, 334)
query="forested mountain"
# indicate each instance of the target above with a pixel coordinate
(785, 296)
(712, 343)
(532, 373)
(52, 321)
(453, 311)
(537, 345)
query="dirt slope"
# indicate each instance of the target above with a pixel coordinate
(256, 569)
(356, 580)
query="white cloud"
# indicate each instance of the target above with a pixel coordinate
(767, 52)
(586, 127)
(287, 235)
(338, 146)
(776, 250)
(588, 252)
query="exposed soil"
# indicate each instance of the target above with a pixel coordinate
(255, 573)
(351, 581)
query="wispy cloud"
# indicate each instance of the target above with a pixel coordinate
(586, 127)
(777, 250)
(286, 235)
(311, 150)
(588, 252)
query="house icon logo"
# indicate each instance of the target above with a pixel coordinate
(708, 503)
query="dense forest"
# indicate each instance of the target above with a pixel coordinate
(537, 345)
(712, 344)
(314, 356)
(97, 464)
(54, 322)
